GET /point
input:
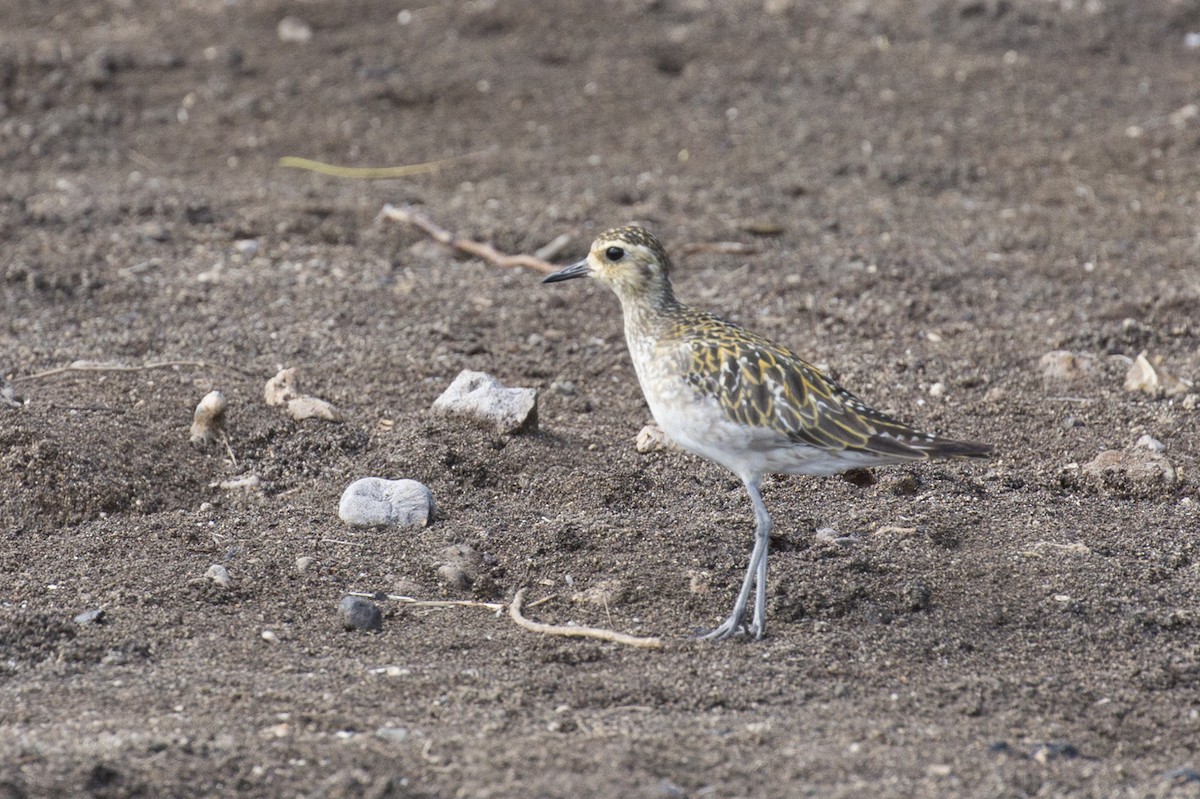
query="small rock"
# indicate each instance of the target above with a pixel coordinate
(93, 616)
(219, 575)
(270, 637)
(246, 482)
(155, 231)
(293, 30)
(460, 567)
(7, 396)
(904, 485)
(360, 614)
(392, 734)
(1151, 443)
(1046, 752)
(454, 577)
(937, 390)
(604, 594)
(376, 502)
(1061, 366)
(479, 396)
(652, 438)
(1140, 469)
(699, 581)
(1151, 378)
(209, 419)
(302, 408)
(247, 248)
(830, 536)
(861, 477)
(281, 388)
(303, 563)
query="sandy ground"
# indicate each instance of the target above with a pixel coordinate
(937, 193)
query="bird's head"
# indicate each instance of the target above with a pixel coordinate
(629, 260)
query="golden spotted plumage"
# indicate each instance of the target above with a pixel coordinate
(739, 399)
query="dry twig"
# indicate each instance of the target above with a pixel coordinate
(478, 249)
(92, 366)
(370, 172)
(514, 612)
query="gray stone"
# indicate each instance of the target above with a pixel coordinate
(482, 398)
(376, 502)
(93, 616)
(219, 575)
(360, 614)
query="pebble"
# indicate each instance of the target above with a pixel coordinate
(270, 637)
(302, 408)
(360, 614)
(1147, 441)
(281, 388)
(7, 395)
(460, 567)
(830, 536)
(392, 734)
(1151, 378)
(209, 419)
(293, 30)
(247, 248)
(481, 397)
(219, 575)
(93, 616)
(652, 438)
(247, 482)
(1062, 366)
(376, 502)
(604, 594)
(1142, 468)
(303, 563)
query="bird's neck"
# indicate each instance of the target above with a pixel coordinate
(651, 311)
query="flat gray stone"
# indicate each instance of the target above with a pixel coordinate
(482, 398)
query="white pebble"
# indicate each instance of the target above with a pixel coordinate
(219, 575)
(293, 30)
(1151, 443)
(376, 502)
(479, 396)
(302, 408)
(209, 419)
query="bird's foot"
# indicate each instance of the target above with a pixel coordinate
(734, 627)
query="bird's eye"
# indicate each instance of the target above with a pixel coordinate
(614, 254)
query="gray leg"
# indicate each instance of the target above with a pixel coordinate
(756, 575)
(762, 537)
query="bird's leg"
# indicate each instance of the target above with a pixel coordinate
(762, 545)
(756, 573)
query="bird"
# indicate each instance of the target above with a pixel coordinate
(740, 400)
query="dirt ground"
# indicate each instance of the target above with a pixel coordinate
(938, 193)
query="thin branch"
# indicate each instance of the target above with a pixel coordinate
(369, 173)
(90, 366)
(514, 611)
(478, 249)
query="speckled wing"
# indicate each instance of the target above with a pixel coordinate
(762, 385)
